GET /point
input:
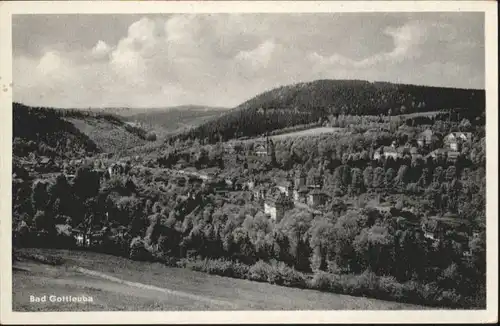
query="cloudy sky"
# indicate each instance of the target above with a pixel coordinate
(225, 59)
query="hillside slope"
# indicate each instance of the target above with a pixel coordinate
(308, 102)
(176, 118)
(69, 133)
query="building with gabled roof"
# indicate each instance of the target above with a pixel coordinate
(260, 150)
(300, 194)
(455, 140)
(386, 152)
(316, 198)
(285, 187)
(276, 206)
(426, 137)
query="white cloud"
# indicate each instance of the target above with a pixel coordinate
(407, 40)
(100, 50)
(260, 57)
(49, 63)
(224, 60)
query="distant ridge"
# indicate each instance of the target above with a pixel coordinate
(70, 133)
(307, 102)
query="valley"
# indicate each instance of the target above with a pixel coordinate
(349, 190)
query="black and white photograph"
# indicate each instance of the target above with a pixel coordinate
(222, 160)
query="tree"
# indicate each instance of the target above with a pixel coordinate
(44, 222)
(346, 228)
(321, 239)
(202, 158)
(151, 136)
(438, 175)
(86, 183)
(451, 173)
(39, 196)
(368, 177)
(138, 249)
(389, 177)
(284, 159)
(357, 181)
(477, 245)
(374, 246)
(402, 177)
(465, 125)
(295, 226)
(148, 207)
(378, 177)
(127, 209)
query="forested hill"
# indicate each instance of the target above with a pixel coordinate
(304, 103)
(69, 133)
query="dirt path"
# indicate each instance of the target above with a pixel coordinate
(225, 304)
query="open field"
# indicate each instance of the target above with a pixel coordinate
(308, 132)
(429, 114)
(120, 284)
(301, 133)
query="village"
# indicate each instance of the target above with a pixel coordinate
(274, 197)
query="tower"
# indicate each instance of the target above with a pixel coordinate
(300, 179)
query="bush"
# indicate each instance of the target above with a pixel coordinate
(259, 271)
(138, 250)
(450, 298)
(429, 292)
(48, 260)
(322, 281)
(221, 267)
(280, 274)
(288, 276)
(151, 136)
(390, 288)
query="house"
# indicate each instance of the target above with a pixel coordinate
(425, 138)
(229, 182)
(120, 230)
(229, 148)
(80, 237)
(403, 151)
(218, 185)
(45, 164)
(250, 185)
(259, 194)
(181, 181)
(443, 224)
(453, 156)
(239, 185)
(70, 177)
(415, 153)
(276, 206)
(182, 163)
(316, 198)
(260, 150)
(438, 153)
(444, 153)
(195, 181)
(115, 169)
(285, 187)
(377, 155)
(300, 180)
(455, 140)
(46, 161)
(63, 229)
(300, 194)
(386, 152)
